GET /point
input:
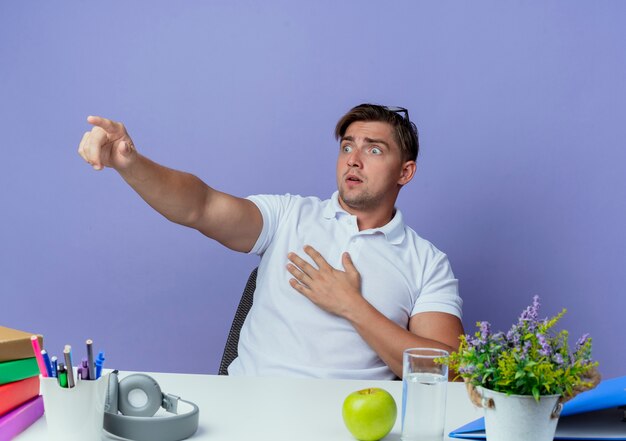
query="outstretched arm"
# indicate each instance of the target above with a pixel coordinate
(180, 197)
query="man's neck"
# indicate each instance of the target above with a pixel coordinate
(368, 219)
(365, 221)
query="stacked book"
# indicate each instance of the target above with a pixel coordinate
(20, 402)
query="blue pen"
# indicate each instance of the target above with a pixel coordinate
(54, 364)
(99, 362)
(46, 361)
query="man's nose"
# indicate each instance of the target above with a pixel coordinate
(354, 160)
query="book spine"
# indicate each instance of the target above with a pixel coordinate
(15, 394)
(16, 421)
(15, 345)
(16, 370)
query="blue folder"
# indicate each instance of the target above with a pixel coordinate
(591, 415)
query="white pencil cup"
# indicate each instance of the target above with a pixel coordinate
(77, 413)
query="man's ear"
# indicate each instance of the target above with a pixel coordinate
(407, 172)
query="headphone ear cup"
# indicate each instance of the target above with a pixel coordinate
(144, 383)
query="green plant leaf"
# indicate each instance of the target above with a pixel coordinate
(535, 392)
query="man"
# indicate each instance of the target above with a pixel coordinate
(343, 286)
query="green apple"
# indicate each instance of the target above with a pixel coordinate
(369, 414)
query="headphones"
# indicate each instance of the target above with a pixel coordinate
(137, 422)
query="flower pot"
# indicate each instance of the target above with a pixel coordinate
(519, 417)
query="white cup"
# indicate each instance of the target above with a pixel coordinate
(424, 384)
(77, 413)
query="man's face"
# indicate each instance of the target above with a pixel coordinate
(369, 166)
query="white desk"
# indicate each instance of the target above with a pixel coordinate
(254, 408)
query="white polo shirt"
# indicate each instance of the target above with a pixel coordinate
(285, 334)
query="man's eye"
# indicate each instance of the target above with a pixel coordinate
(347, 148)
(376, 151)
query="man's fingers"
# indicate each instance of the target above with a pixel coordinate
(107, 125)
(316, 256)
(348, 265)
(300, 275)
(81, 146)
(305, 266)
(93, 147)
(299, 286)
(84, 152)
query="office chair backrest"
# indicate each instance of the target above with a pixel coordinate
(230, 349)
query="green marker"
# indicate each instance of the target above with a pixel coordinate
(62, 373)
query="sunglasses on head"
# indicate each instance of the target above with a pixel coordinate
(400, 111)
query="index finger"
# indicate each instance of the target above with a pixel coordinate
(106, 124)
(315, 255)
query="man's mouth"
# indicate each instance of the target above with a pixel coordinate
(352, 178)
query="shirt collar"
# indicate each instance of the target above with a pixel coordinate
(393, 230)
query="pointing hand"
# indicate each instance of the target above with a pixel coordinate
(107, 145)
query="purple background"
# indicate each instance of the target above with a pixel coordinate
(521, 108)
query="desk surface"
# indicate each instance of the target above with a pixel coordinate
(239, 408)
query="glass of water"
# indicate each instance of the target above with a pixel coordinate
(423, 394)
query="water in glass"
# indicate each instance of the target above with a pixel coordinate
(423, 406)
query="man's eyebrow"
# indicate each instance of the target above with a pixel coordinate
(367, 140)
(377, 141)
